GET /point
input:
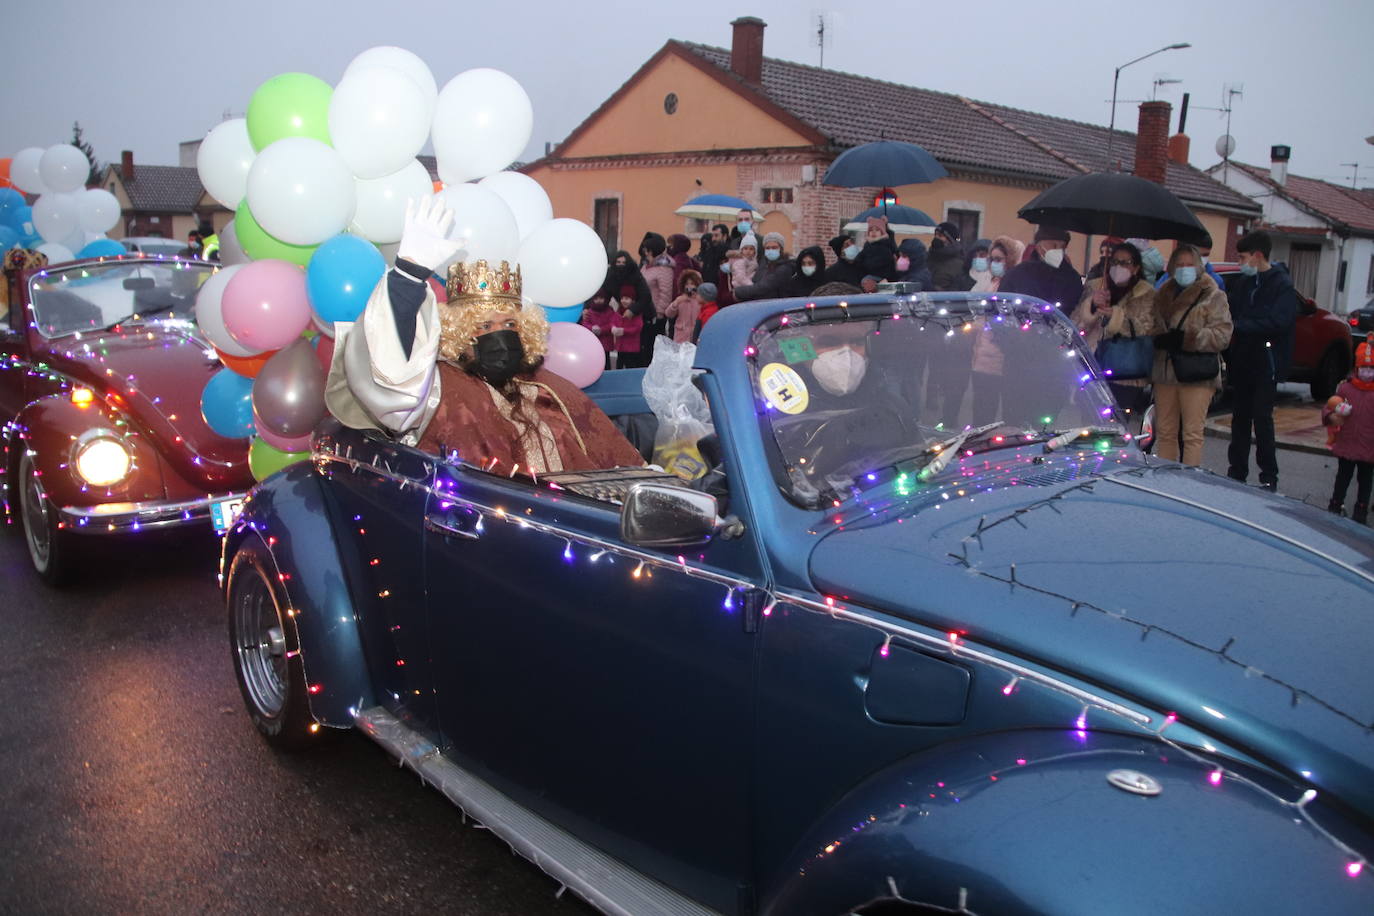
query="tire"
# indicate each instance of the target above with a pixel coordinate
(51, 550)
(267, 662)
(1330, 371)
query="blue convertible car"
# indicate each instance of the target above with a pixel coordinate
(932, 636)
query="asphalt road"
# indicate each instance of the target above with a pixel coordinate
(132, 782)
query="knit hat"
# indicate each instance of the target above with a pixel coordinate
(749, 239)
(707, 292)
(878, 222)
(1051, 234)
(774, 237)
(949, 229)
(1364, 355)
(874, 277)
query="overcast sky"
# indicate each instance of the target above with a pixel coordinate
(146, 75)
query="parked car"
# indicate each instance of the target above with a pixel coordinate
(1362, 322)
(996, 661)
(154, 245)
(1323, 351)
(101, 373)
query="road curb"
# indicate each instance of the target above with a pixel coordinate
(1212, 428)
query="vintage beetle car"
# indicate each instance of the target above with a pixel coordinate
(101, 373)
(923, 663)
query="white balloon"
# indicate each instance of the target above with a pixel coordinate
(210, 315)
(484, 222)
(24, 173)
(300, 191)
(76, 241)
(381, 212)
(56, 216)
(378, 120)
(403, 60)
(56, 253)
(482, 122)
(230, 251)
(98, 210)
(223, 161)
(64, 168)
(525, 197)
(562, 263)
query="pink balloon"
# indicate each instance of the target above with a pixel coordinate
(575, 353)
(278, 441)
(265, 305)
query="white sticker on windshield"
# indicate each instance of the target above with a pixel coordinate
(784, 388)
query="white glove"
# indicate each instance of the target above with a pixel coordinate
(724, 267)
(424, 240)
(617, 331)
(598, 330)
(1343, 409)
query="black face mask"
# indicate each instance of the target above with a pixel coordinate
(499, 356)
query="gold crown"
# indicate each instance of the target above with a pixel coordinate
(477, 282)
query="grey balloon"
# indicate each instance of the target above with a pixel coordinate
(288, 393)
(230, 251)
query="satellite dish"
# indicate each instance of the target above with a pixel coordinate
(1226, 145)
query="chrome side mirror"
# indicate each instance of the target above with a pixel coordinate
(662, 515)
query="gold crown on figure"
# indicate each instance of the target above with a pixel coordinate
(479, 282)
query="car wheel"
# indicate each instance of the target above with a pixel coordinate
(267, 665)
(1332, 369)
(50, 548)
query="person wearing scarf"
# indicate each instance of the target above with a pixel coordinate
(1119, 305)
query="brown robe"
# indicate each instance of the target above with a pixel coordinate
(551, 427)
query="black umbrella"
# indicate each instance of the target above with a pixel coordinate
(883, 164)
(1114, 203)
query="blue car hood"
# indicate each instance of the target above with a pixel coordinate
(1250, 615)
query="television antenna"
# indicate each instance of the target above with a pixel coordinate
(822, 31)
(1161, 81)
(1354, 174)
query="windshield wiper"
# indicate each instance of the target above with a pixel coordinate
(141, 314)
(1067, 436)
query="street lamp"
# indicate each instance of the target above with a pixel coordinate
(1111, 130)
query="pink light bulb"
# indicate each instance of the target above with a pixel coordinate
(1353, 869)
(1214, 777)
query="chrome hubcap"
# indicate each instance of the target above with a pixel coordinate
(37, 524)
(260, 644)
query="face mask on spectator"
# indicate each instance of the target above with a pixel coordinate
(840, 370)
(808, 269)
(980, 264)
(1185, 276)
(1054, 257)
(997, 268)
(904, 263)
(1120, 274)
(851, 251)
(744, 226)
(1249, 269)
(690, 290)
(772, 254)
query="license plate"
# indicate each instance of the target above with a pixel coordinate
(225, 512)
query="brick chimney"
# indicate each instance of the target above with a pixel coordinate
(1179, 142)
(746, 48)
(126, 165)
(1152, 141)
(1278, 163)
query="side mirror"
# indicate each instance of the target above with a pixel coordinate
(662, 515)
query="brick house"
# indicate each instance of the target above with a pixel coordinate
(160, 200)
(696, 119)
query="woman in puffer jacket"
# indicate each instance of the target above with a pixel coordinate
(1191, 313)
(1120, 305)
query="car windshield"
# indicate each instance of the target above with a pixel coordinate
(86, 297)
(856, 392)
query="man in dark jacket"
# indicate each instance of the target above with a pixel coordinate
(846, 268)
(713, 255)
(948, 273)
(1264, 307)
(774, 272)
(1048, 274)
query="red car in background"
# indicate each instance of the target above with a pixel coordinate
(101, 374)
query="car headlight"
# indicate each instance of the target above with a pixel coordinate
(103, 461)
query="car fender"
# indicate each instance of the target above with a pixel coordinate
(285, 525)
(1029, 822)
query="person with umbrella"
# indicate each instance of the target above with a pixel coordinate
(1048, 274)
(845, 269)
(1121, 305)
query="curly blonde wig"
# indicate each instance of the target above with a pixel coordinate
(458, 321)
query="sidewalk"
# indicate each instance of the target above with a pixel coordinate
(1297, 425)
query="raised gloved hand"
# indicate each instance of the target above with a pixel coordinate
(424, 240)
(1169, 340)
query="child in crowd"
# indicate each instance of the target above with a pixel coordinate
(745, 262)
(684, 310)
(706, 292)
(618, 329)
(1352, 410)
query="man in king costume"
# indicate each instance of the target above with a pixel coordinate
(465, 376)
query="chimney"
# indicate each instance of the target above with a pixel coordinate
(746, 48)
(1179, 142)
(1278, 163)
(1152, 141)
(126, 165)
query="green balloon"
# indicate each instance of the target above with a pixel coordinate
(289, 105)
(258, 244)
(265, 460)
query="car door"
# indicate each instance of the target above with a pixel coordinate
(14, 367)
(604, 686)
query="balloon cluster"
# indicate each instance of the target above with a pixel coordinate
(318, 178)
(68, 220)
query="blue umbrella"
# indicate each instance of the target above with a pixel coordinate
(715, 206)
(901, 219)
(883, 164)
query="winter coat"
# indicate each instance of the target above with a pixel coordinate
(660, 276)
(1264, 309)
(878, 258)
(679, 247)
(770, 280)
(627, 285)
(799, 284)
(1132, 316)
(742, 272)
(947, 270)
(1060, 285)
(1355, 441)
(711, 258)
(684, 310)
(917, 272)
(1207, 330)
(607, 318)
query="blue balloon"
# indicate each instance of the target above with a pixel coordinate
(10, 201)
(8, 238)
(102, 248)
(21, 221)
(570, 313)
(227, 404)
(341, 275)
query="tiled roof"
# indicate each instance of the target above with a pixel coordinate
(1343, 206)
(959, 131)
(163, 188)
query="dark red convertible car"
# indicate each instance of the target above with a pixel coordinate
(101, 374)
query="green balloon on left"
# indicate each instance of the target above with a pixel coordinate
(258, 244)
(289, 105)
(264, 460)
